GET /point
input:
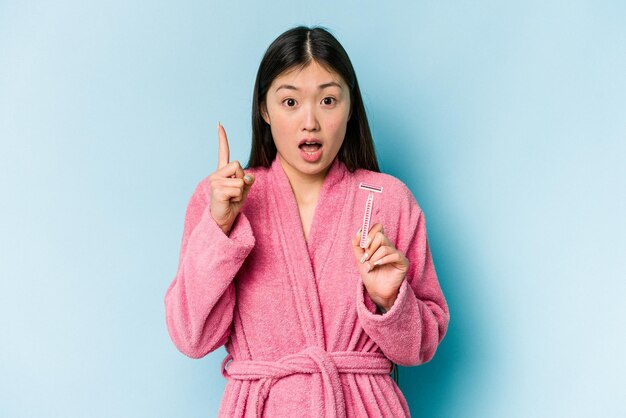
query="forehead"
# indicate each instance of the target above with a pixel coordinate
(311, 75)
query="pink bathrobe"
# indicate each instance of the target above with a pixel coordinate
(303, 336)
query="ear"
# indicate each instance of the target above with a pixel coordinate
(264, 114)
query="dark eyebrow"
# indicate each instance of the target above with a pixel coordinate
(321, 86)
(285, 86)
(331, 84)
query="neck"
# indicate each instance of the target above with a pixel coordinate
(306, 188)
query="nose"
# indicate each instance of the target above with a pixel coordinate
(310, 122)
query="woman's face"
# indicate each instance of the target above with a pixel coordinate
(307, 110)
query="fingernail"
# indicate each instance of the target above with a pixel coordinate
(363, 258)
(358, 232)
(377, 262)
(247, 178)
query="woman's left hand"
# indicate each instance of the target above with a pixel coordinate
(381, 265)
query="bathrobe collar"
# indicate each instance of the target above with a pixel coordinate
(326, 208)
(306, 261)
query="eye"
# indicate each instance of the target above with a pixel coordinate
(289, 102)
(328, 100)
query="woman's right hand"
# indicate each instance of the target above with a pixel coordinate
(229, 186)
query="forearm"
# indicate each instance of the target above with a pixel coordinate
(200, 300)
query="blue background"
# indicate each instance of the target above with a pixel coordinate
(506, 119)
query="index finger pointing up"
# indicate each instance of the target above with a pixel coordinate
(223, 156)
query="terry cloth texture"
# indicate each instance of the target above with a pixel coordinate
(302, 335)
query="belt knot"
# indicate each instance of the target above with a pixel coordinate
(310, 360)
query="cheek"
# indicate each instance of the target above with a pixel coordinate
(282, 124)
(282, 129)
(337, 125)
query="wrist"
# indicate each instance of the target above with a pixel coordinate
(225, 228)
(383, 305)
(386, 305)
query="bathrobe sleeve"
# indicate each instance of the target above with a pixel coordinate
(409, 333)
(200, 300)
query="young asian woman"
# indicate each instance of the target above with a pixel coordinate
(271, 263)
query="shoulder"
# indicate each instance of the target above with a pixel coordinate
(395, 208)
(396, 195)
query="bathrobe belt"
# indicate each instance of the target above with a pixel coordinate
(310, 360)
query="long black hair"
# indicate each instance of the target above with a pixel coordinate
(295, 48)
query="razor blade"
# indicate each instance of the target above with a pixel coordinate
(367, 216)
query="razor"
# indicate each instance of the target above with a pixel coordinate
(367, 216)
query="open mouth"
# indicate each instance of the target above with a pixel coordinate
(310, 146)
(311, 150)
